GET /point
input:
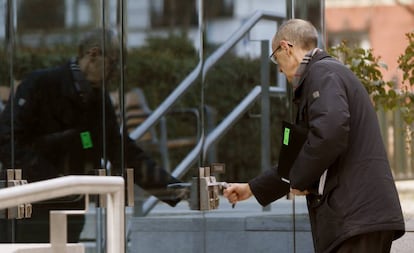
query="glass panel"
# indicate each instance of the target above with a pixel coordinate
(161, 53)
(159, 90)
(76, 86)
(236, 86)
(163, 81)
(60, 120)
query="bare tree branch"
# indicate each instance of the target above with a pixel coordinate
(409, 8)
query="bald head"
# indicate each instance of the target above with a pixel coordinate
(98, 55)
(104, 39)
(299, 32)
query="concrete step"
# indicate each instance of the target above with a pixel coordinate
(39, 248)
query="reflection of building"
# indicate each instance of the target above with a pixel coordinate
(368, 23)
(380, 25)
(40, 22)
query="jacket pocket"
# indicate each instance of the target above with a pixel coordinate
(326, 218)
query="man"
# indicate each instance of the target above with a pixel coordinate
(359, 209)
(62, 123)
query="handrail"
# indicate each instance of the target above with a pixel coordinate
(112, 186)
(237, 36)
(235, 115)
(166, 104)
(202, 69)
(215, 135)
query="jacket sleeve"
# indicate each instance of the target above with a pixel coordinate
(268, 187)
(328, 121)
(25, 109)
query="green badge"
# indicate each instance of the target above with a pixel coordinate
(286, 136)
(86, 140)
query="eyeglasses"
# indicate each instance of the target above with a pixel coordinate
(273, 55)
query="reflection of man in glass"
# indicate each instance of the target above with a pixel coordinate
(61, 122)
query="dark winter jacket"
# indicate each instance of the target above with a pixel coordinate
(59, 130)
(344, 138)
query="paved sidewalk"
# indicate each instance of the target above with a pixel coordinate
(406, 243)
(246, 213)
(284, 206)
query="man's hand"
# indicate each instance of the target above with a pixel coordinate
(237, 192)
(298, 192)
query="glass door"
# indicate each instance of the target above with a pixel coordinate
(176, 96)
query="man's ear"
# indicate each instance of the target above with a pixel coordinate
(284, 44)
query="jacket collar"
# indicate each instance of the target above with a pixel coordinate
(67, 88)
(317, 57)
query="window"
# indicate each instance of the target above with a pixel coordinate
(169, 13)
(351, 38)
(219, 8)
(41, 14)
(172, 13)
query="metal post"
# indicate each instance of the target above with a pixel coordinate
(115, 221)
(399, 146)
(265, 105)
(58, 228)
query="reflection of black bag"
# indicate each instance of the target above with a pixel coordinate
(293, 138)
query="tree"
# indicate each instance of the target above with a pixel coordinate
(406, 64)
(387, 95)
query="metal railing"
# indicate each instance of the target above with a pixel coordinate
(398, 140)
(112, 186)
(200, 71)
(214, 136)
